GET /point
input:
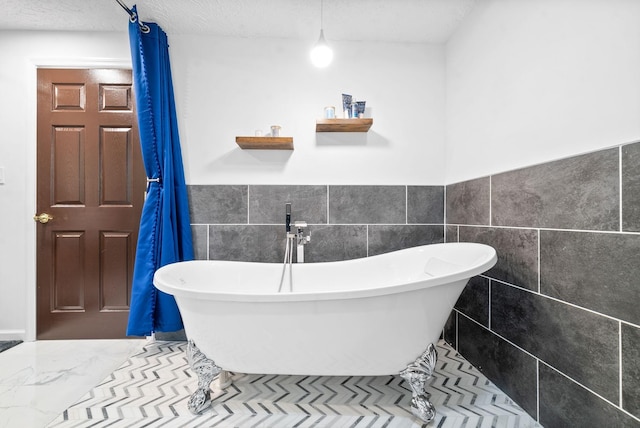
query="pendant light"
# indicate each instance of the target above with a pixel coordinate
(321, 54)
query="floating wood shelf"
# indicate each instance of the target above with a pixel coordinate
(265, 143)
(343, 125)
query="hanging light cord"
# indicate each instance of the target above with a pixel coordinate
(321, 14)
(133, 17)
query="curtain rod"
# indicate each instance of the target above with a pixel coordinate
(133, 17)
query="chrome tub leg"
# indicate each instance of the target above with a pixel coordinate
(417, 374)
(206, 370)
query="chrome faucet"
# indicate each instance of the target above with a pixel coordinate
(296, 237)
(301, 240)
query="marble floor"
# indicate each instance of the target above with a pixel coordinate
(39, 380)
(136, 383)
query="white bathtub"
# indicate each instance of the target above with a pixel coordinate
(369, 316)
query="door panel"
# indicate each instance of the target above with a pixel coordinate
(68, 276)
(91, 181)
(116, 166)
(67, 174)
(115, 248)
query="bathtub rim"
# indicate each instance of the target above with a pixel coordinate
(484, 262)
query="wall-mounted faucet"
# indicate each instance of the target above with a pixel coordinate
(299, 236)
(301, 240)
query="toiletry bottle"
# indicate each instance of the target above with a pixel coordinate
(354, 109)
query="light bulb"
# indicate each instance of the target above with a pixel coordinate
(321, 54)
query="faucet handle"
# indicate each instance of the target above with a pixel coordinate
(300, 224)
(287, 217)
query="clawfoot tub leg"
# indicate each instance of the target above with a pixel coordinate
(417, 374)
(206, 370)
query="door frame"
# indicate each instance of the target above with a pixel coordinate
(31, 152)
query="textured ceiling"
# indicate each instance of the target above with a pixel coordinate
(419, 21)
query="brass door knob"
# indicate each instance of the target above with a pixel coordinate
(43, 218)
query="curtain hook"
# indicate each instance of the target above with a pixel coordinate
(133, 17)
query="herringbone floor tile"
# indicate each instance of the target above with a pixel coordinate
(151, 390)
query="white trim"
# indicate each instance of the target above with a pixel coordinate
(32, 65)
(81, 62)
(12, 334)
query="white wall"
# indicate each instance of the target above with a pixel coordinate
(224, 88)
(532, 81)
(230, 87)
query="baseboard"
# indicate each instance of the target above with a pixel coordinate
(13, 335)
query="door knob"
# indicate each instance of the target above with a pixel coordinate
(43, 218)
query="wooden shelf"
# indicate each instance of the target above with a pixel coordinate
(265, 143)
(343, 125)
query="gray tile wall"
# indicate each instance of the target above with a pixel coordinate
(556, 323)
(246, 222)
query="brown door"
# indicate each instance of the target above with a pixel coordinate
(91, 182)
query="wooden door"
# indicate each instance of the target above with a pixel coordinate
(91, 181)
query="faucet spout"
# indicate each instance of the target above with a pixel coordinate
(287, 220)
(301, 240)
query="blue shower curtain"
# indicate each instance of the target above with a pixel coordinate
(165, 231)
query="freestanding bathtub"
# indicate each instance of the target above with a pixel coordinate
(378, 315)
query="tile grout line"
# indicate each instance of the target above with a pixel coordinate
(489, 304)
(327, 204)
(539, 261)
(367, 240)
(406, 204)
(620, 186)
(490, 200)
(457, 347)
(546, 296)
(444, 209)
(538, 390)
(552, 229)
(208, 242)
(248, 198)
(620, 361)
